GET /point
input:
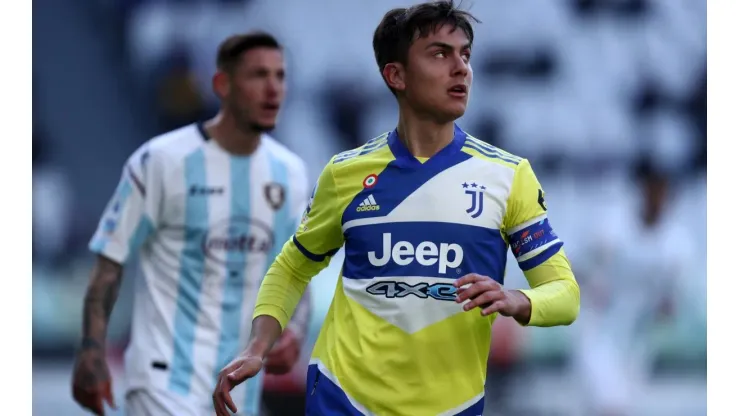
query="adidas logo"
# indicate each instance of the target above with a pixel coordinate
(368, 204)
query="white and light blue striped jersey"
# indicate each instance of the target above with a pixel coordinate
(206, 225)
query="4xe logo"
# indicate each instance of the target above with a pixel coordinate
(427, 253)
(391, 289)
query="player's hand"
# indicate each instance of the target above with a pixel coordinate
(284, 354)
(238, 371)
(91, 381)
(491, 297)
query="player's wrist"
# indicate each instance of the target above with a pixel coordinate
(524, 307)
(257, 348)
(293, 331)
(91, 344)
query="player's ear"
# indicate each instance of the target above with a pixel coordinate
(395, 76)
(221, 84)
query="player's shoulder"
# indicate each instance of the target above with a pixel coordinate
(287, 157)
(164, 150)
(368, 152)
(281, 151)
(490, 153)
(172, 146)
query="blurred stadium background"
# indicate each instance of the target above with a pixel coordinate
(586, 89)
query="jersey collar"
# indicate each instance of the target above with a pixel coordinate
(202, 130)
(405, 158)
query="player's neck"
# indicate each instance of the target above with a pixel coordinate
(224, 131)
(424, 137)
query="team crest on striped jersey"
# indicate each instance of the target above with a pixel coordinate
(275, 195)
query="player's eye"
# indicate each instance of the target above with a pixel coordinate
(439, 54)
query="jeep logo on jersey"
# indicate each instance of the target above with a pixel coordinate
(231, 241)
(426, 253)
(275, 195)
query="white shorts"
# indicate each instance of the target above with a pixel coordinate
(142, 402)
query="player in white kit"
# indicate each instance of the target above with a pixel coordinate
(207, 207)
(636, 265)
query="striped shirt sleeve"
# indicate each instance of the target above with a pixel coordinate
(131, 215)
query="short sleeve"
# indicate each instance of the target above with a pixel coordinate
(526, 225)
(132, 214)
(319, 234)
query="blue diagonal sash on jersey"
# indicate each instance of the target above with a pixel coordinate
(324, 398)
(327, 399)
(405, 174)
(192, 265)
(397, 181)
(483, 250)
(474, 410)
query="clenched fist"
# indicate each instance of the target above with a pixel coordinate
(491, 297)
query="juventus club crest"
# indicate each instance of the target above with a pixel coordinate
(476, 198)
(275, 195)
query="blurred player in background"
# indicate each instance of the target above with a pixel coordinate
(426, 214)
(633, 272)
(208, 207)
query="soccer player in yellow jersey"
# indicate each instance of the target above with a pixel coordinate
(426, 214)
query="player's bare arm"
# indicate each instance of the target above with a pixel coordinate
(91, 384)
(265, 331)
(286, 351)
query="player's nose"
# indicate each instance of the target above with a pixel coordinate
(460, 67)
(274, 87)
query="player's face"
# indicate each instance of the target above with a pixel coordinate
(438, 76)
(656, 195)
(257, 88)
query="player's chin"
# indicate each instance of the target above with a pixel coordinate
(265, 124)
(454, 110)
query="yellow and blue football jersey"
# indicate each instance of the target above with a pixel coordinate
(394, 341)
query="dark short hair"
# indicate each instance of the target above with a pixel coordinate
(400, 27)
(647, 170)
(231, 50)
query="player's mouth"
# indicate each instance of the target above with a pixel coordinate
(271, 108)
(458, 91)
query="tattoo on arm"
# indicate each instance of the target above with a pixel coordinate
(100, 298)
